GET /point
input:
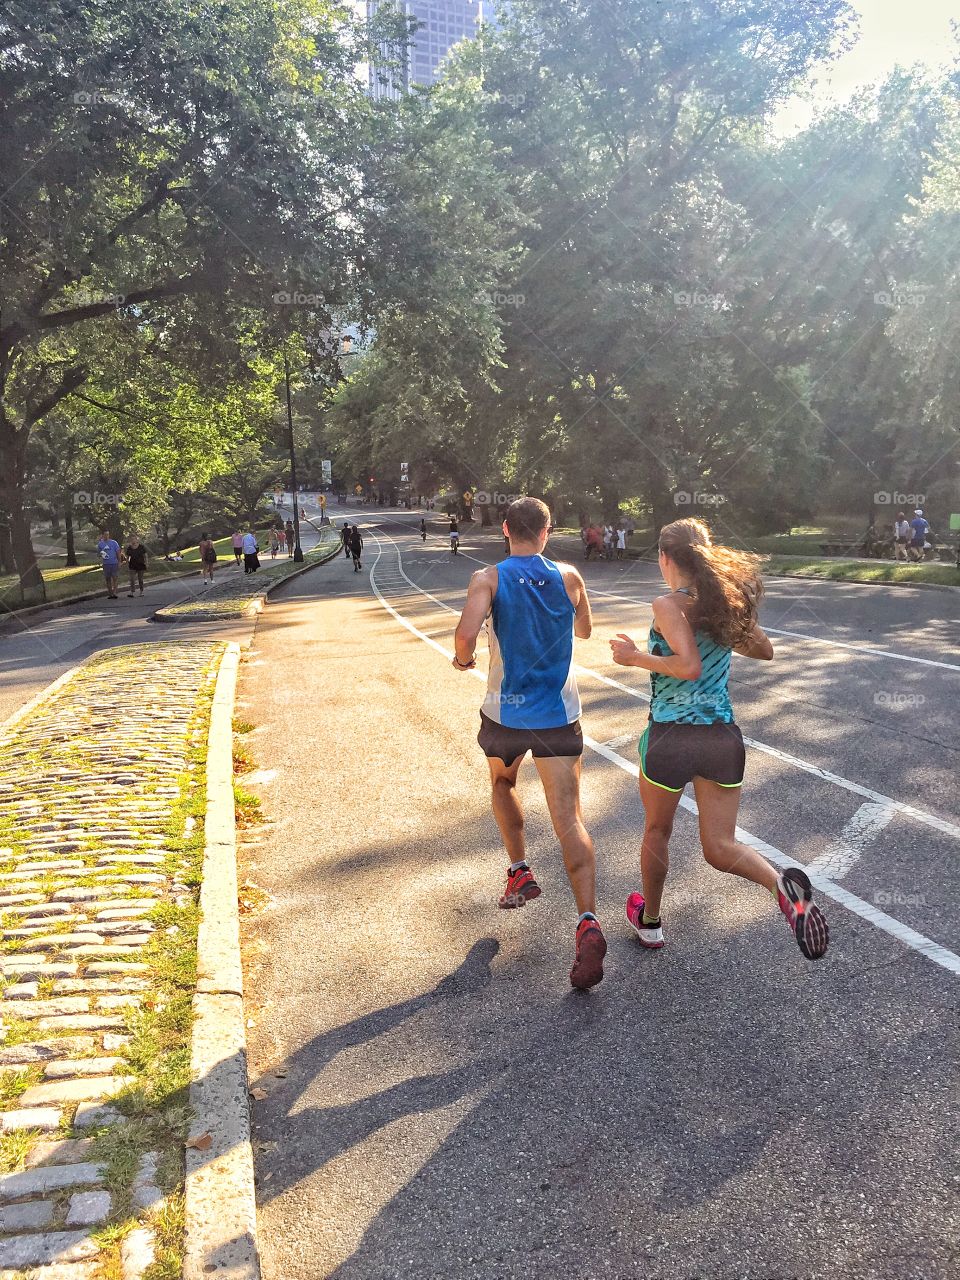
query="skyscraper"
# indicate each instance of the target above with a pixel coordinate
(443, 23)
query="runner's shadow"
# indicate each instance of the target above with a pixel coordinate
(317, 1134)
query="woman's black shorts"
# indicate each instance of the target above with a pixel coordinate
(671, 755)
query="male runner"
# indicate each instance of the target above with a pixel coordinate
(532, 704)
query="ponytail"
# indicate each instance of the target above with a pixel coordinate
(727, 587)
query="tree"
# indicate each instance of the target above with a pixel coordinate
(203, 168)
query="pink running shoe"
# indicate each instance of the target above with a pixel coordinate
(650, 935)
(795, 897)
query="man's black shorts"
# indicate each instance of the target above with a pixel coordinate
(503, 743)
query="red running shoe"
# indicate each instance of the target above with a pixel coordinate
(650, 935)
(587, 969)
(795, 896)
(521, 888)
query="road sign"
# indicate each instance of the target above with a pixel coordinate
(404, 472)
(323, 501)
(326, 469)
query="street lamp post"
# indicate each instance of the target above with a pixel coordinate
(297, 549)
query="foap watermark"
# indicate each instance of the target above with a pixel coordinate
(698, 298)
(712, 101)
(95, 97)
(696, 498)
(508, 99)
(895, 298)
(498, 299)
(493, 498)
(509, 699)
(293, 298)
(898, 699)
(84, 498)
(90, 298)
(893, 498)
(898, 898)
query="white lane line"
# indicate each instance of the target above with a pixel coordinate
(624, 740)
(865, 650)
(882, 801)
(877, 797)
(862, 829)
(865, 910)
(859, 648)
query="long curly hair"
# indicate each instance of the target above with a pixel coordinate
(727, 586)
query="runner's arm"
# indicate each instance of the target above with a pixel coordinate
(479, 600)
(684, 663)
(756, 645)
(577, 591)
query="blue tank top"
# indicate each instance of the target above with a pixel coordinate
(531, 684)
(705, 700)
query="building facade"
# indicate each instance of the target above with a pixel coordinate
(443, 24)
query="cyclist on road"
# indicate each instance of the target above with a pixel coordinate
(709, 613)
(454, 535)
(535, 608)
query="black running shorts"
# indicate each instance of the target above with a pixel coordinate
(501, 742)
(671, 755)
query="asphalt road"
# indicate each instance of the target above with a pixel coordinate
(432, 1099)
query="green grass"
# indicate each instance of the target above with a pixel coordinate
(246, 807)
(856, 571)
(62, 583)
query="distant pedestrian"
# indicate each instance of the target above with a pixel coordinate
(135, 555)
(291, 537)
(920, 529)
(902, 534)
(608, 542)
(236, 538)
(356, 547)
(251, 561)
(274, 543)
(108, 549)
(621, 535)
(345, 538)
(281, 536)
(208, 559)
(593, 541)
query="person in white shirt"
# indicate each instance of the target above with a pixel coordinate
(901, 536)
(621, 541)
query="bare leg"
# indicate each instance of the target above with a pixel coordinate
(718, 820)
(507, 808)
(659, 810)
(560, 776)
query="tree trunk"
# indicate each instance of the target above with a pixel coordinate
(68, 527)
(7, 564)
(13, 444)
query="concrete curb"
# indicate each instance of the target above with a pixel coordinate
(256, 602)
(221, 1213)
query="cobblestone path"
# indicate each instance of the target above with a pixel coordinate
(101, 826)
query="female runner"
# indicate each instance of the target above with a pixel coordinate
(709, 613)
